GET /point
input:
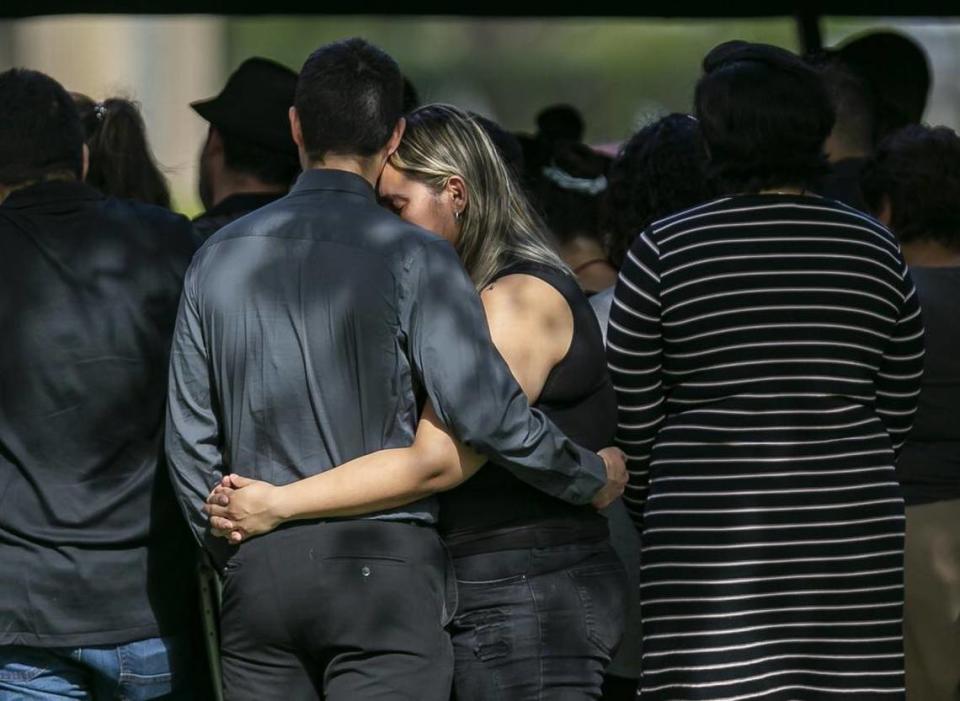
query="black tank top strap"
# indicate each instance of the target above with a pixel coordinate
(496, 511)
(583, 365)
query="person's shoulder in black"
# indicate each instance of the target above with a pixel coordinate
(158, 225)
(157, 243)
(231, 209)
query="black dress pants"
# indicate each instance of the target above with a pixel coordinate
(350, 610)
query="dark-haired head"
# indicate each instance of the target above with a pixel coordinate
(349, 100)
(40, 131)
(913, 182)
(855, 105)
(568, 190)
(560, 123)
(661, 170)
(898, 72)
(266, 164)
(764, 115)
(121, 163)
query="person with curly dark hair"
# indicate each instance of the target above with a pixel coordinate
(766, 349)
(661, 170)
(912, 184)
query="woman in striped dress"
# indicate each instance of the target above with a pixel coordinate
(766, 350)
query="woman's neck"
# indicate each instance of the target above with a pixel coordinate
(930, 254)
(588, 260)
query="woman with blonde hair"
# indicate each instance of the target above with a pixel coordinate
(541, 592)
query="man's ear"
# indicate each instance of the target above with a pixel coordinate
(394, 143)
(296, 132)
(85, 168)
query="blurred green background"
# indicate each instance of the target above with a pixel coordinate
(617, 72)
(620, 72)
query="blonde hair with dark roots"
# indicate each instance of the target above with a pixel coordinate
(498, 225)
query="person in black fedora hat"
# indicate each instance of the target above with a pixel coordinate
(249, 158)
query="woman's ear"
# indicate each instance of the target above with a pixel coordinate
(85, 168)
(456, 189)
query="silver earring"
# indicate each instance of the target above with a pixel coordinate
(457, 214)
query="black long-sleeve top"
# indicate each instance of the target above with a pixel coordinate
(778, 300)
(91, 540)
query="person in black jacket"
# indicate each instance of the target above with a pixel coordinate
(93, 568)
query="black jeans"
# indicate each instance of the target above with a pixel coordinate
(350, 610)
(539, 624)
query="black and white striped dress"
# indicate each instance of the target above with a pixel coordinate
(767, 351)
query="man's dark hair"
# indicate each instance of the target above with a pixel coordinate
(40, 130)
(854, 102)
(764, 115)
(121, 163)
(268, 165)
(917, 171)
(898, 71)
(661, 170)
(349, 98)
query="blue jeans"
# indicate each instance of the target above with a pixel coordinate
(537, 624)
(155, 668)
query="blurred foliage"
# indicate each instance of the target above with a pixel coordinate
(619, 73)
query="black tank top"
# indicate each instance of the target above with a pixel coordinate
(494, 510)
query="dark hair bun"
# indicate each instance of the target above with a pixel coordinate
(735, 51)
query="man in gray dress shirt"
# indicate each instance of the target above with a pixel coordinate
(309, 333)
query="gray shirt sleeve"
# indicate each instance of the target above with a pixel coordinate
(193, 433)
(473, 390)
